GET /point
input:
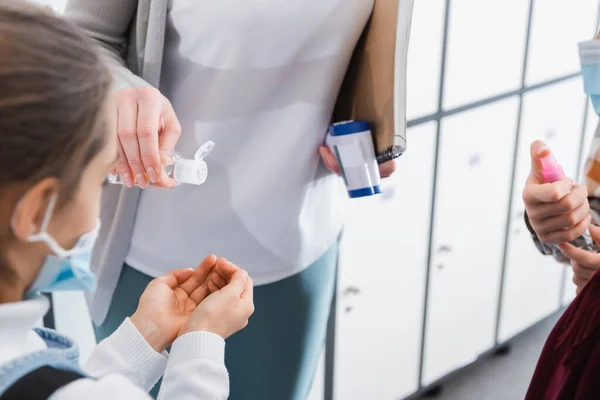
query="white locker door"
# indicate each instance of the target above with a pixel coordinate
(381, 280)
(473, 70)
(552, 51)
(425, 58)
(532, 281)
(476, 152)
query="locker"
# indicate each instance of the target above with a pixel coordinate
(424, 58)
(553, 52)
(483, 65)
(473, 181)
(382, 279)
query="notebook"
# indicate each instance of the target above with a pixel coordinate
(374, 88)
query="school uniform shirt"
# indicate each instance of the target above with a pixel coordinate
(124, 366)
(260, 78)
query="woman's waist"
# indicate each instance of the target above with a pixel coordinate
(265, 261)
(285, 229)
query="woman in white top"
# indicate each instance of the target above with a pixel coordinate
(57, 143)
(260, 78)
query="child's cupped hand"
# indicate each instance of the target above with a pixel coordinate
(170, 300)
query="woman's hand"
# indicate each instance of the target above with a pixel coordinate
(227, 310)
(584, 263)
(330, 160)
(558, 212)
(146, 126)
(169, 301)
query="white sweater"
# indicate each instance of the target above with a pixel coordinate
(124, 365)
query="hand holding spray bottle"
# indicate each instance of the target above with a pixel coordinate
(553, 172)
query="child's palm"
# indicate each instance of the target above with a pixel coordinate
(168, 301)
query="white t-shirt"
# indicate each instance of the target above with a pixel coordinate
(259, 78)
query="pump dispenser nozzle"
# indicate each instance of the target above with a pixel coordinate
(551, 169)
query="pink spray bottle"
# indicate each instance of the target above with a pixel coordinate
(553, 172)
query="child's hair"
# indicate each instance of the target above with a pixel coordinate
(53, 90)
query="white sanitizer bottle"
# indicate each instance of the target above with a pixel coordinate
(177, 169)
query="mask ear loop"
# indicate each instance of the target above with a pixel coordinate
(45, 221)
(43, 236)
(49, 212)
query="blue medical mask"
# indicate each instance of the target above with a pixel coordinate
(589, 53)
(65, 269)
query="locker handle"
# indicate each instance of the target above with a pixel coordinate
(351, 291)
(444, 249)
(474, 160)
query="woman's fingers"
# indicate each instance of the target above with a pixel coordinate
(329, 160)
(582, 257)
(146, 124)
(579, 281)
(564, 221)
(595, 233)
(170, 127)
(127, 131)
(535, 193)
(567, 204)
(566, 235)
(148, 127)
(122, 167)
(331, 163)
(583, 272)
(387, 168)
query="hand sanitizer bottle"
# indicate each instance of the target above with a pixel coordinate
(553, 172)
(178, 170)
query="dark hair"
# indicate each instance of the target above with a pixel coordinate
(53, 90)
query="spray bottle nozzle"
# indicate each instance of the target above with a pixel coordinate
(551, 169)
